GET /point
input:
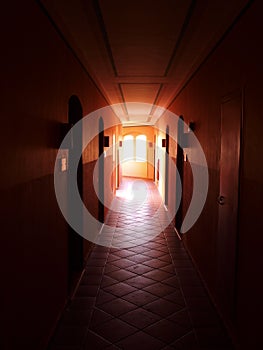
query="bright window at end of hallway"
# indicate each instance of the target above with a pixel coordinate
(141, 148)
(128, 147)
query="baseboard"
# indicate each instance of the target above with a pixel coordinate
(179, 236)
(77, 285)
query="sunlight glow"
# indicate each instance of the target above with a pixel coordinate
(127, 193)
(128, 148)
(141, 148)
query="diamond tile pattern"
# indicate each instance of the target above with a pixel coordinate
(143, 291)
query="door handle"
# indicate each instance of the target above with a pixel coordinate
(221, 200)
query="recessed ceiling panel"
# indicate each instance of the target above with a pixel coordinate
(145, 93)
(143, 34)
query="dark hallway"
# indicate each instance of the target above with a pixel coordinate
(132, 174)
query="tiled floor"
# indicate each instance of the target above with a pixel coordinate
(140, 293)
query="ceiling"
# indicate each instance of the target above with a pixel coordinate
(142, 50)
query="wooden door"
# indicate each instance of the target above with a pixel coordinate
(166, 166)
(75, 241)
(101, 171)
(231, 113)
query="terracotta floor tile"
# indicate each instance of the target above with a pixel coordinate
(140, 281)
(124, 253)
(172, 281)
(168, 268)
(159, 289)
(121, 275)
(143, 292)
(152, 245)
(166, 331)
(188, 341)
(123, 263)
(140, 340)
(155, 263)
(176, 297)
(99, 317)
(140, 318)
(104, 297)
(139, 269)
(166, 258)
(108, 281)
(140, 297)
(139, 250)
(117, 307)
(113, 257)
(110, 268)
(138, 258)
(115, 329)
(112, 347)
(181, 318)
(162, 248)
(120, 289)
(158, 275)
(162, 307)
(94, 341)
(155, 253)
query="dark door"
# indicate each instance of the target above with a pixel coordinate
(118, 164)
(231, 110)
(101, 171)
(166, 165)
(179, 180)
(154, 158)
(75, 241)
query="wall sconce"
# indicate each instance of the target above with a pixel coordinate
(163, 142)
(120, 143)
(106, 141)
(191, 126)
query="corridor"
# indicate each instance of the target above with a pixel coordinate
(96, 95)
(145, 295)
